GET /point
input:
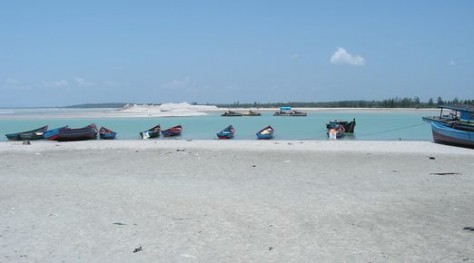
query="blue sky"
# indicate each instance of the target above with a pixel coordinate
(56, 53)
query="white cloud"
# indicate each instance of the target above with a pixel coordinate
(17, 85)
(81, 82)
(295, 56)
(452, 63)
(341, 56)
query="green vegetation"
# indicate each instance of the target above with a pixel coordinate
(387, 103)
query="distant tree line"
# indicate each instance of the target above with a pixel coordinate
(386, 103)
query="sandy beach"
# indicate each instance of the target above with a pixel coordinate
(236, 201)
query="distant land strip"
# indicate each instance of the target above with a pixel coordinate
(387, 103)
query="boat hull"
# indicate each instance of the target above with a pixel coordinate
(446, 135)
(265, 133)
(227, 133)
(35, 134)
(173, 131)
(151, 133)
(80, 134)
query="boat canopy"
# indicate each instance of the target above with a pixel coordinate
(285, 108)
(466, 112)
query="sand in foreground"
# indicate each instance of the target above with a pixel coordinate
(236, 202)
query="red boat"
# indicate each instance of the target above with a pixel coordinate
(173, 131)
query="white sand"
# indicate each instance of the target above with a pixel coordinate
(236, 201)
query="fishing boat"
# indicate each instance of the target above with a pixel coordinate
(106, 134)
(348, 126)
(230, 113)
(265, 133)
(451, 135)
(151, 133)
(452, 114)
(226, 133)
(251, 113)
(53, 133)
(35, 134)
(78, 134)
(173, 131)
(288, 111)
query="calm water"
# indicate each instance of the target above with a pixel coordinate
(399, 125)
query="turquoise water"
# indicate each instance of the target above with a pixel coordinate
(387, 126)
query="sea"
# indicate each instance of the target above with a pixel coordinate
(372, 125)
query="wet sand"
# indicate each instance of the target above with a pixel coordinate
(236, 201)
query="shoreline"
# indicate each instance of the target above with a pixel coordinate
(359, 146)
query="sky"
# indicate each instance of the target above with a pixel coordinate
(58, 53)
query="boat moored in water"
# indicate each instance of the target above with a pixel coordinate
(79, 134)
(226, 133)
(151, 133)
(173, 131)
(106, 134)
(230, 113)
(265, 133)
(34, 134)
(288, 111)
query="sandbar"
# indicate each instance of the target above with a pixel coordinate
(236, 201)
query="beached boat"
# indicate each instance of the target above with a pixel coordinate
(445, 134)
(288, 111)
(266, 133)
(453, 114)
(106, 134)
(230, 113)
(78, 134)
(35, 134)
(251, 113)
(53, 133)
(151, 133)
(348, 126)
(226, 133)
(173, 131)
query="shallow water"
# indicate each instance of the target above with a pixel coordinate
(371, 125)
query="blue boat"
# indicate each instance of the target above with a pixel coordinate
(226, 133)
(266, 133)
(106, 134)
(451, 135)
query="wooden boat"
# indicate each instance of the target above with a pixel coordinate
(288, 111)
(251, 113)
(53, 133)
(226, 133)
(445, 134)
(348, 126)
(151, 133)
(265, 133)
(173, 131)
(231, 114)
(455, 114)
(86, 133)
(106, 134)
(35, 134)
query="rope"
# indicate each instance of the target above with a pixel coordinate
(391, 130)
